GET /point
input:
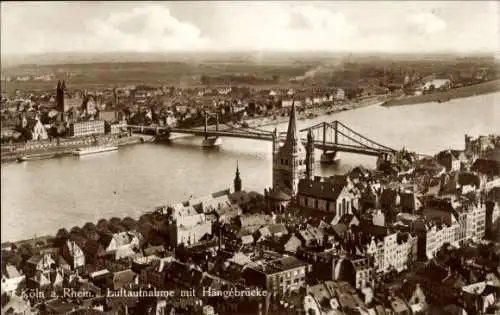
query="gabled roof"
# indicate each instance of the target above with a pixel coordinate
(11, 272)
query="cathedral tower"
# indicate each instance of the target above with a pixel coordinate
(310, 155)
(237, 179)
(289, 160)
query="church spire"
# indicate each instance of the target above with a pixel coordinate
(237, 179)
(292, 135)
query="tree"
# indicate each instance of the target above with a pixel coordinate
(89, 227)
(26, 251)
(61, 237)
(114, 221)
(102, 224)
(129, 223)
(146, 218)
(76, 230)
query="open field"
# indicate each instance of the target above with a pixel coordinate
(243, 70)
(466, 91)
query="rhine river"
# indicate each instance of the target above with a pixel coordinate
(38, 197)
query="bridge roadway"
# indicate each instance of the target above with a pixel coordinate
(249, 134)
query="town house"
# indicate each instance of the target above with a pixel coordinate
(11, 278)
(39, 262)
(73, 254)
(155, 274)
(122, 244)
(392, 250)
(278, 276)
(189, 228)
(452, 160)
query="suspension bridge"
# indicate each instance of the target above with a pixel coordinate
(330, 137)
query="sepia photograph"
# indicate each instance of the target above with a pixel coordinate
(250, 157)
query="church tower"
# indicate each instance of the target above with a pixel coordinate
(310, 155)
(289, 160)
(237, 179)
(60, 96)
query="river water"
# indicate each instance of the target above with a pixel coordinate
(38, 197)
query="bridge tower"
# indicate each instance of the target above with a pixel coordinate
(289, 160)
(310, 155)
(328, 157)
(212, 141)
(206, 125)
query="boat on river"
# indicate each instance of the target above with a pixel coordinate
(35, 157)
(95, 150)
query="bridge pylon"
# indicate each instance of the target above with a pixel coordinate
(206, 125)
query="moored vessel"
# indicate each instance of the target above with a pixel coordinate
(94, 150)
(34, 157)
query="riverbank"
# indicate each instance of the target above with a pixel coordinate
(462, 92)
(63, 150)
(315, 112)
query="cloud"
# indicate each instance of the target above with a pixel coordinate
(427, 22)
(283, 27)
(248, 25)
(148, 29)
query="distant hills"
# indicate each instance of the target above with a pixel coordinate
(208, 57)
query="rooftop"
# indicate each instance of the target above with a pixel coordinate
(279, 265)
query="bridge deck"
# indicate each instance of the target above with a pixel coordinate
(249, 134)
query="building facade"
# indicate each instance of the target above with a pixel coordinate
(279, 276)
(189, 229)
(39, 132)
(87, 128)
(393, 251)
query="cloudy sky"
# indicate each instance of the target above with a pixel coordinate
(355, 26)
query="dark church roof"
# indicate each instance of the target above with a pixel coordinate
(326, 188)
